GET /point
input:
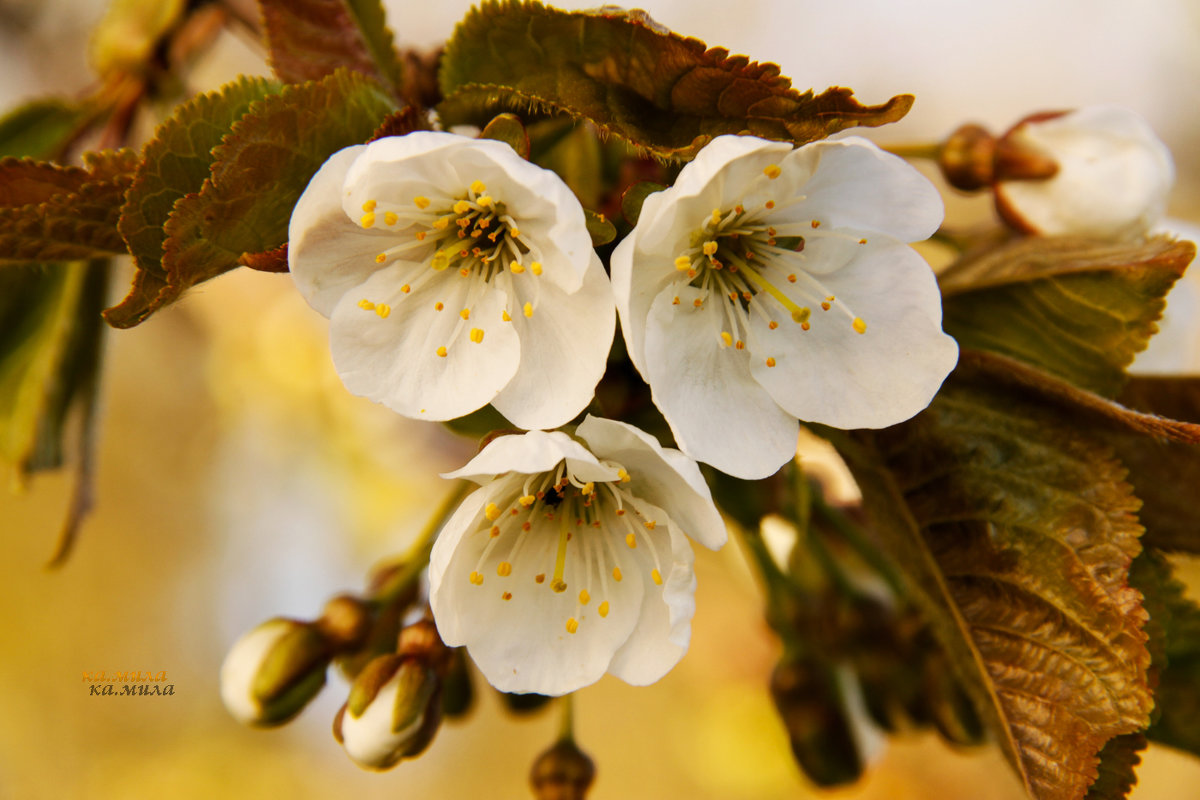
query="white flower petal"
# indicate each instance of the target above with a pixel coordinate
(718, 413)
(395, 360)
(564, 351)
(531, 453)
(856, 185)
(1113, 178)
(664, 626)
(663, 476)
(328, 253)
(832, 375)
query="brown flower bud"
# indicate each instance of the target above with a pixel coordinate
(967, 158)
(564, 772)
(345, 621)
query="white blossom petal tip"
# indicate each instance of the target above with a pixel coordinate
(454, 273)
(552, 574)
(771, 285)
(1112, 180)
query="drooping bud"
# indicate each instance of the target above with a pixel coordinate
(273, 671)
(393, 712)
(564, 772)
(345, 622)
(823, 743)
(458, 693)
(966, 158)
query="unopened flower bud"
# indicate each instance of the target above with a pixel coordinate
(822, 741)
(564, 772)
(345, 622)
(393, 711)
(273, 671)
(966, 158)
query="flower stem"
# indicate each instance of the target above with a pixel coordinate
(911, 151)
(417, 557)
(566, 726)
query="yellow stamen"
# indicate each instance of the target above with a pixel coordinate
(421, 202)
(504, 316)
(369, 206)
(816, 224)
(539, 578)
(716, 216)
(492, 511)
(504, 569)
(527, 500)
(657, 576)
(726, 339)
(462, 207)
(769, 204)
(465, 313)
(485, 201)
(773, 171)
(517, 268)
(438, 306)
(506, 596)
(368, 219)
(366, 305)
(772, 324)
(650, 524)
(476, 335)
(603, 609)
(683, 263)
(770, 362)
(623, 475)
(859, 325)
(584, 597)
(406, 288)
(709, 248)
(478, 187)
(382, 257)
(572, 625)
(617, 574)
(390, 218)
(441, 351)
(536, 268)
(383, 309)
(631, 540)
(528, 309)
(475, 578)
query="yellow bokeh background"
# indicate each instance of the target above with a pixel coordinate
(237, 480)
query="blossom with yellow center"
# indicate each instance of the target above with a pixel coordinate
(572, 558)
(454, 274)
(772, 284)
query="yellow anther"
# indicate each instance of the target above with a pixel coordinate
(528, 309)
(382, 257)
(773, 171)
(442, 223)
(505, 316)
(478, 187)
(739, 345)
(514, 232)
(770, 362)
(506, 596)
(441, 351)
(792, 278)
(465, 313)
(620, 512)
(801, 314)
(558, 586)
(462, 207)
(769, 204)
(516, 268)
(657, 576)
(588, 488)
(698, 302)
(492, 511)
(464, 272)
(623, 475)
(862, 241)
(536, 268)
(495, 531)
(383, 309)
(804, 326)
(366, 305)
(726, 339)
(651, 524)
(406, 288)
(368, 219)
(420, 236)
(617, 574)
(539, 578)
(816, 223)
(716, 216)
(504, 569)
(527, 500)
(772, 324)
(438, 306)
(631, 540)
(390, 218)
(584, 597)
(476, 335)
(709, 248)
(572, 625)
(603, 609)
(824, 305)
(369, 206)
(859, 325)
(683, 263)
(421, 202)
(484, 201)
(675, 301)
(475, 578)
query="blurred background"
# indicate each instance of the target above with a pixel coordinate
(237, 480)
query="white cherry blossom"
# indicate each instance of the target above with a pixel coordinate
(1112, 180)
(573, 559)
(772, 284)
(454, 274)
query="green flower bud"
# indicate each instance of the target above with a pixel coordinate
(393, 712)
(272, 672)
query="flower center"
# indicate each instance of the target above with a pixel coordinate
(587, 521)
(757, 267)
(469, 237)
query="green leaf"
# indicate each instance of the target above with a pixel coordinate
(308, 40)
(1118, 760)
(53, 213)
(258, 172)
(1076, 308)
(1177, 622)
(661, 92)
(601, 230)
(41, 128)
(175, 163)
(129, 33)
(1013, 526)
(635, 196)
(509, 129)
